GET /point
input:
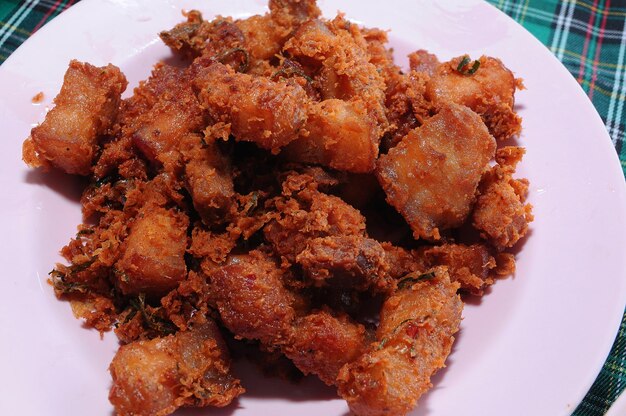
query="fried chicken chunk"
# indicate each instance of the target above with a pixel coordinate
(153, 253)
(350, 261)
(305, 213)
(251, 298)
(415, 335)
(265, 112)
(500, 213)
(167, 116)
(423, 61)
(489, 92)
(84, 110)
(197, 37)
(432, 175)
(155, 377)
(339, 134)
(208, 178)
(470, 265)
(321, 343)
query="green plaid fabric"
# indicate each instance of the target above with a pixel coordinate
(589, 37)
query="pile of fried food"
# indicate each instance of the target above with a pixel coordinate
(286, 186)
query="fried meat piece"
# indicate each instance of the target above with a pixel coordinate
(432, 175)
(252, 300)
(415, 336)
(267, 113)
(501, 214)
(197, 37)
(208, 178)
(339, 134)
(163, 81)
(489, 92)
(289, 14)
(153, 253)
(84, 111)
(407, 106)
(337, 51)
(472, 266)
(263, 38)
(266, 34)
(166, 117)
(307, 213)
(423, 61)
(321, 343)
(402, 261)
(135, 141)
(155, 377)
(350, 261)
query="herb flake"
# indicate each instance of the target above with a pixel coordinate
(152, 321)
(464, 69)
(410, 279)
(230, 53)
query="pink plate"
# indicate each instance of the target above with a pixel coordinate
(533, 346)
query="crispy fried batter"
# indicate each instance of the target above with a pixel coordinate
(432, 175)
(267, 113)
(84, 111)
(321, 343)
(489, 92)
(500, 213)
(152, 261)
(414, 337)
(306, 213)
(191, 368)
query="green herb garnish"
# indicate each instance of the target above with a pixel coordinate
(84, 231)
(463, 69)
(243, 65)
(394, 332)
(410, 279)
(152, 321)
(289, 69)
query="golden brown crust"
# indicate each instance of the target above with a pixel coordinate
(432, 175)
(321, 343)
(501, 213)
(489, 92)
(156, 377)
(267, 113)
(414, 338)
(153, 253)
(84, 110)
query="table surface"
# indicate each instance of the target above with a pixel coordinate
(588, 37)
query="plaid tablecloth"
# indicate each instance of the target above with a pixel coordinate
(589, 37)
